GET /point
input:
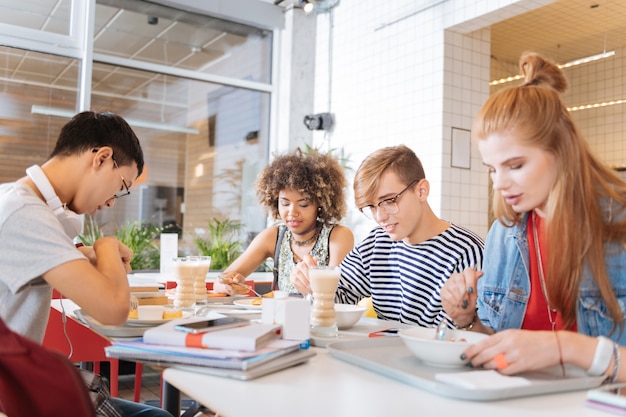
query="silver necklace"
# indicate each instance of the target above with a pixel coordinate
(542, 278)
(308, 241)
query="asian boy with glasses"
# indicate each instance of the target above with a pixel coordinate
(94, 159)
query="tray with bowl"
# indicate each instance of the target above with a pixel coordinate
(390, 356)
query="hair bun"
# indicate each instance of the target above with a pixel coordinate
(538, 70)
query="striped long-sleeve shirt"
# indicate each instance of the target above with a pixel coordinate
(405, 280)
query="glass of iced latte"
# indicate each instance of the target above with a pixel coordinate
(323, 281)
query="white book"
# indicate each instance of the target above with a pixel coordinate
(246, 338)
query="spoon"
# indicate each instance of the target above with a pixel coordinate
(443, 332)
(249, 288)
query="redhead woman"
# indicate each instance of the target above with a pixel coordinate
(553, 287)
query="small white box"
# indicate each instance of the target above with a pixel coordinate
(293, 314)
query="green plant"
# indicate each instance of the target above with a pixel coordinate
(92, 231)
(338, 154)
(222, 245)
(139, 237)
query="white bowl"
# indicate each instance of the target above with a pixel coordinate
(348, 314)
(441, 353)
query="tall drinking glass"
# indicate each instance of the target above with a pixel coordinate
(201, 266)
(184, 295)
(323, 281)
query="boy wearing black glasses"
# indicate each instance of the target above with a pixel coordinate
(94, 162)
(404, 261)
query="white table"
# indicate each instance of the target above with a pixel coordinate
(326, 386)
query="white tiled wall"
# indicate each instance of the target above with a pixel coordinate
(604, 127)
(591, 83)
(406, 72)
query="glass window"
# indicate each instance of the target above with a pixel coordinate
(204, 140)
(183, 40)
(192, 176)
(31, 84)
(46, 15)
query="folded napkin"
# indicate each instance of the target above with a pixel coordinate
(487, 379)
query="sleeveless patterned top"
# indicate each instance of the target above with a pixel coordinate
(286, 264)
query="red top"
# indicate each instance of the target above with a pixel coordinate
(537, 317)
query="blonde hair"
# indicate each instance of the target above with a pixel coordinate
(400, 160)
(577, 229)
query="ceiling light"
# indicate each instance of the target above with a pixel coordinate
(588, 59)
(52, 111)
(567, 65)
(596, 105)
(307, 6)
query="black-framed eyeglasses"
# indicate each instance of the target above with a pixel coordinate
(390, 205)
(124, 191)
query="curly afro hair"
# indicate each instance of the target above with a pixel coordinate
(318, 176)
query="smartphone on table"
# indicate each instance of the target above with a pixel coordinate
(610, 398)
(212, 325)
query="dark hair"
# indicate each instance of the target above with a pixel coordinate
(90, 130)
(318, 176)
(400, 160)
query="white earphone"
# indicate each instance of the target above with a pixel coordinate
(71, 222)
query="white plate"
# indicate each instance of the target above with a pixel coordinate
(247, 303)
(231, 310)
(137, 322)
(229, 299)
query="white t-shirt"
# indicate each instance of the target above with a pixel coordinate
(32, 242)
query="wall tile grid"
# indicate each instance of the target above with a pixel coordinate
(387, 76)
(465, 193)
(604, 127)
(407, 72)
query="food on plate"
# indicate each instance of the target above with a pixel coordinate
(217, 294)
(257, 302)
(133, 314)
(172, 313)
(268, 295)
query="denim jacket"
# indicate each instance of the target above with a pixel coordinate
(505, 286)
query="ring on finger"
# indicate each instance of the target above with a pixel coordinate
(500, 361)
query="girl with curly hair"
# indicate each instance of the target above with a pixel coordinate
(305, 192)
(554, 284)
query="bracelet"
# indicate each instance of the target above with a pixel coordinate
(558, 343)
(616, 358)
(602, 357)
(470, 325)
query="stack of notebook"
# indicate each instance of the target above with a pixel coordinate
(241, 352)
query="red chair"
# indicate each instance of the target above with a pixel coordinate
(87, 346)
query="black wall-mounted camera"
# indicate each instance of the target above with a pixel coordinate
(320, 121)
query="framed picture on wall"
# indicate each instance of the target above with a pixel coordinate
(461, 148)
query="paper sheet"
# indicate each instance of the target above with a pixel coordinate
(487, 379)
